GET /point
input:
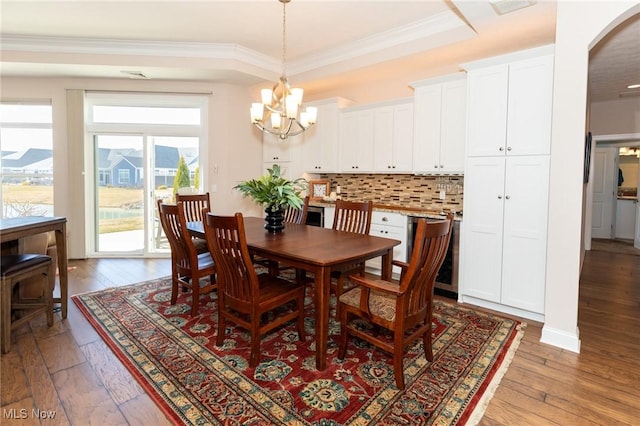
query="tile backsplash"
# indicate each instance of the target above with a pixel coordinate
(401, 190)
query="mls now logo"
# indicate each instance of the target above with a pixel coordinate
(23, 413)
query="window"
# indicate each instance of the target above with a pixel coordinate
(26, 160)
(123, 177)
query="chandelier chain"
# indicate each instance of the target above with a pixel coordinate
(284, 39)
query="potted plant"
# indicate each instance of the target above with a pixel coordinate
(274, 193)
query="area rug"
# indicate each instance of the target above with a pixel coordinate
(174, 358)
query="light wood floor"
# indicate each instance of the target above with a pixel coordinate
(69, 371)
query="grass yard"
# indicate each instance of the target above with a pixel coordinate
(29, 199)
(42, 194)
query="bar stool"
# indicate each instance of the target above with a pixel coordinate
(13, 269)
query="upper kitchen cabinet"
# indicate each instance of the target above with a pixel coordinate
(440, 106)
(393, 138)
(356, 141)
(509, 102)
(276, 150)
(319, 152)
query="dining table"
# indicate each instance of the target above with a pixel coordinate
(12, 229)
(316, 250)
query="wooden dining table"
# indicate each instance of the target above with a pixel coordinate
(317, 250)
(12, 229)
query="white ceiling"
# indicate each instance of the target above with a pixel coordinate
(328, 42)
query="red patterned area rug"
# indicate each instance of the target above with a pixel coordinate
(175, 359)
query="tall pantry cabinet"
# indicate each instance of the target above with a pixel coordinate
(504, 235)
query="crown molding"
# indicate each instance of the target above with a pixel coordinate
(96, 46)
(417, 31)
(380, 47)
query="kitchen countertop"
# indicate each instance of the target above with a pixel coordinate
(408, 211)
(627, 197)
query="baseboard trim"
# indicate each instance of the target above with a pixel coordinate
(561, 339)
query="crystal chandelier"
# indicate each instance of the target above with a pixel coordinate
(278, 112)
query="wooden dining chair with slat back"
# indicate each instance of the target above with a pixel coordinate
(188, 266)
(299, 216)
(243, 295)
(404, 308)
(350, 216)
(193, 205)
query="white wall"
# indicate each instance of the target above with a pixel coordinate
(579, 26)
(233, 144)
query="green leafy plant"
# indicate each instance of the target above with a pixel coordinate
(272, 191)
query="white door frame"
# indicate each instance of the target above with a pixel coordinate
(628, 139)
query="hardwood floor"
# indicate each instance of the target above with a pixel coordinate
(69, 371)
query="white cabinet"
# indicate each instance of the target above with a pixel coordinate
(275, 149)
(319, 152)
(625, 218)
(356, 141)
(377, 138)
(389, 225)
(440, 123)
(505, 230)
(510, 108)
(393, 138)
(504, 235)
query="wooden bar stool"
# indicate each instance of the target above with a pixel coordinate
(15, 268)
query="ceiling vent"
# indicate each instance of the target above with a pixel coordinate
(629, 93)
(138, 75)
(503, 7)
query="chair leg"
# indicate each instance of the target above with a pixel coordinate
(174, 288)
(398, 353)
(5, 305)
(48, 296)
(428, 345)
(342, 349)
(300, 302)
(255, 342)
(222, 325)
(195, 293)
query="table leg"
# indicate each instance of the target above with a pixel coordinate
(322, 285)
(61, 246)
(387, 265)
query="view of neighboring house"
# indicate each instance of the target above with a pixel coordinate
(37, 163)
(116, 167)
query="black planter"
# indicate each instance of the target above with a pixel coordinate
(274, 220)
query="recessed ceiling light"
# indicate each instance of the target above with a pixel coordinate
(633, 86)
(506, 6)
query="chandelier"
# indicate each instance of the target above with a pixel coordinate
(279, 112)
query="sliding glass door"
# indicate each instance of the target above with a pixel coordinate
(133, 172)
(145, 148)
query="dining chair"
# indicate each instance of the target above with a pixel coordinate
(14, 270)
(193, 206)
(350, 216)
(188, 266)
(299, 216)
(405, 307)
(243, 294)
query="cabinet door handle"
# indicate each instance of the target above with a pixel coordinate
(499, 197)
(501, 148)
(435, 166)
(441, 166)
(385, 219)
(508, 148)
(508, 197)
